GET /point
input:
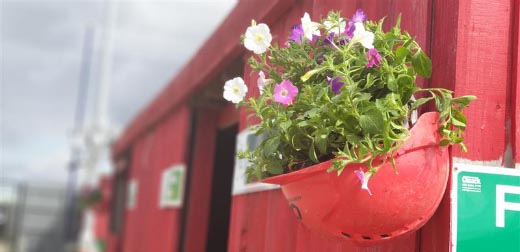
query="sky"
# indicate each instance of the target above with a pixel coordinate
(40, 56)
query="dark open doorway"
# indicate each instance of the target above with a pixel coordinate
(218, 226)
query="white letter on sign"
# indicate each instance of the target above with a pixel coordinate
(502, 205)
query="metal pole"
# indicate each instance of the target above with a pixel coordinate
(74, 163)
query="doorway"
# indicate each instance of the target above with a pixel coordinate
(220, 208)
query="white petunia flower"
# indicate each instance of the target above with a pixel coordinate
(235, 90)
(332, 26)
(366, 38)
(309, 28)
(258, 38)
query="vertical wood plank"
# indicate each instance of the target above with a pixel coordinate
(280, 234)
(435, 235)
(238, 229)
(483, 64)
(201, 182)
(515, 126)
(130, 241)
(256, 215)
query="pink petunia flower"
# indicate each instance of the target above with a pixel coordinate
(374, 58)
(285, 92)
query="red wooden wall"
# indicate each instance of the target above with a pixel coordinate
(200, 187)
(148, 227)
(474, 50)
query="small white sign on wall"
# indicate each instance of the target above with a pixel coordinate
(247, 139)
(172, 186)
(131, 198)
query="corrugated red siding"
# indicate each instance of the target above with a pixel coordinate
(148, 227)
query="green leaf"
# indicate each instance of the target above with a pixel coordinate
(459, 116)
(458, 123)
(270, 146)
(407, 95)
(464, 100)
(420, 102)
(422, 64)
(401, 53)
(408, 42)
(372, 122)
(275, 167)
(285, 125)
(392, 83)
(303, 124)
(297, 142)
(404, 80)
(444, 142)
(321, 142)
(463, 147)
(370, 81)
(458, 119)
(312, 154)
(312, 112)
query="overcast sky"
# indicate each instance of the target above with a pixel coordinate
(40, 55)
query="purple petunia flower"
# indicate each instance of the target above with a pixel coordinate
(320, 58)
(344, 41)
(329, 39)
(374, 58)
(335, 83)
(297, 34)
(363, 178)
(285, 92)
(350, 29)
(359, 16)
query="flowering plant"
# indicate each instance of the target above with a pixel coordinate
(338, 89)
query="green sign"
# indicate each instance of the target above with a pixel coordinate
(485, 209)
(172, 186)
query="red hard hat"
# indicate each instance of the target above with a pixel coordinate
(400, 202)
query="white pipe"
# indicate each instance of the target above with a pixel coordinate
(100, 135)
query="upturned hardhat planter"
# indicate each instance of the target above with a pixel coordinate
(333, 106)
(402, 201)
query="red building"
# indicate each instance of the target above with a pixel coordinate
(474, 50)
